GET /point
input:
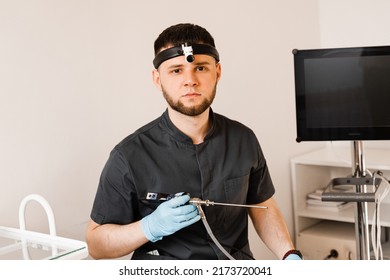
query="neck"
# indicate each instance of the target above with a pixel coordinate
(194, 127)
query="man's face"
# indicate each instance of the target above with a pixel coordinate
(189, 88)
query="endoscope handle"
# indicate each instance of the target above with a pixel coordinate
(154, 199)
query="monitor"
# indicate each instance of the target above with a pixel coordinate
(342, 93)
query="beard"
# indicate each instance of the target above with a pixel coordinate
(191, 111)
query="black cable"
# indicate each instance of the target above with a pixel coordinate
(333, 254)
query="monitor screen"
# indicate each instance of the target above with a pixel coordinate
(342, 93)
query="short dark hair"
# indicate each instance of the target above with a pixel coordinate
(181, 33)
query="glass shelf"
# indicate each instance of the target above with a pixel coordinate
(16, 244)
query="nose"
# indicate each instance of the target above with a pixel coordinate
(190, 79)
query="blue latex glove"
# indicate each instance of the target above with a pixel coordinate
(294, 257)
(169, 217)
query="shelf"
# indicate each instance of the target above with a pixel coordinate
(376, 159)
(318, 169)
(317, 241)
(346, 215)
(18, 244)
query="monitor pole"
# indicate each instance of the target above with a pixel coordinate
(361, 213)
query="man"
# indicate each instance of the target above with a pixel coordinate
(194, 153)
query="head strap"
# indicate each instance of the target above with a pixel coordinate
(186, 50)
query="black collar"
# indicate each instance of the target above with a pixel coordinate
(180, 136)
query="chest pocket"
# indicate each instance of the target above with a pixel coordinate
(223, 219)
(236, 190)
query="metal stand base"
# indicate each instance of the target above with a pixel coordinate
(361, 195)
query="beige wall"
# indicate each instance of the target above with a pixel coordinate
(354, 23)
(350, 23)
(75, 78)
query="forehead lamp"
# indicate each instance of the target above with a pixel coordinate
(187, 51)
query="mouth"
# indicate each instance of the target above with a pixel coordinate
(191, 94)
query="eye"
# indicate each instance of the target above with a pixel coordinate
(175, 71)
(201, 68)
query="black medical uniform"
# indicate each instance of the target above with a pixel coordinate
(228, 166)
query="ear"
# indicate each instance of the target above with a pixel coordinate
(156, 79)
(219, 71)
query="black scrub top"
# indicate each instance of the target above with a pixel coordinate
(228, 167)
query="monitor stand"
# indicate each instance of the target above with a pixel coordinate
(361, 210)
(361, 195)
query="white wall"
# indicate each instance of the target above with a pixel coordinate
(75, 78)
(355, 23)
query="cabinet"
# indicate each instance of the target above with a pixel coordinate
(315, 170)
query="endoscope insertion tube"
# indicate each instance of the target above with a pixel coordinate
(207, 202)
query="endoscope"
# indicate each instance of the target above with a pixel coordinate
(155, 199)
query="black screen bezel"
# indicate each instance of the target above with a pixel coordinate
(304, 133)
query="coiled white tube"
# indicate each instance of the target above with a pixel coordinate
(209, 231)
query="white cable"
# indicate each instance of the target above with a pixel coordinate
(381, 193)
(374, 235)
(210, 232)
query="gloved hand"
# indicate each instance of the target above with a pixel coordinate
(294, 257)
(169, 217)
